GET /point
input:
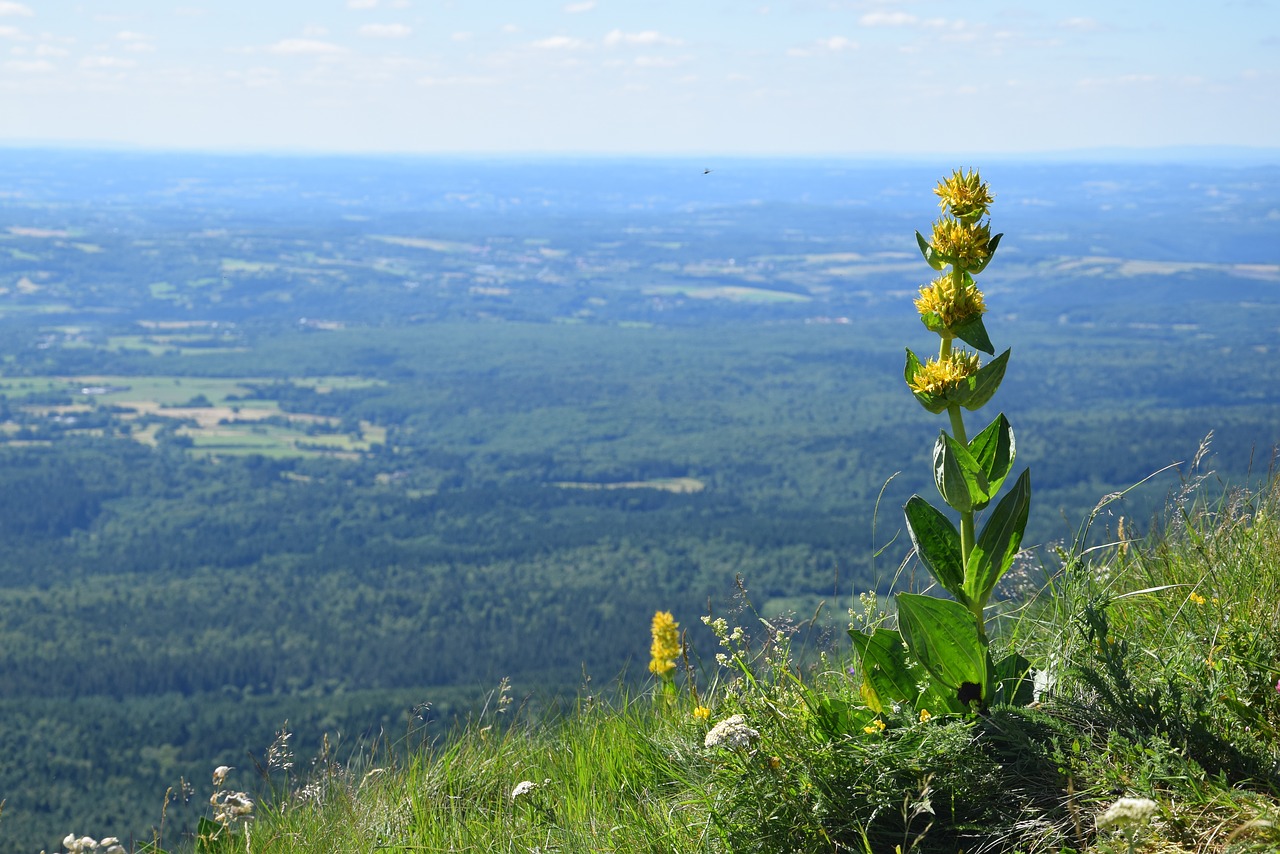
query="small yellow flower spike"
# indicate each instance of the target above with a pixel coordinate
(666, 645)
(1197, 598)
(968, 244)
(940, 376)
(924, 715)
(953, 305)
(966, 195)
(702, 713)
(875, 726)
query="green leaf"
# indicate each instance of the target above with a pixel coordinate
(944, 636)
(932, 402)
(991, 253)
(984, 383)
(932, 257)
(999, 541)
(974, 333)
(886, 673)
(835, 717)
(958, 476)
(994, 450)
(1014, 685)
(938, 543)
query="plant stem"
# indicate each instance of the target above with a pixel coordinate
(967, 538)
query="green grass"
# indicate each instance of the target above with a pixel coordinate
(1163, 654)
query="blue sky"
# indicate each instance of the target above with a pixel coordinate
(705, 77)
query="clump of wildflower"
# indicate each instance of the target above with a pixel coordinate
(1128, 816)
(220, 774)
(924, 715)
(965, 194)
(952, 304)
(523, 788)
(1197, 599)
(939, 376)
(230, 807)
(875, 726)
(702, 713)
(732, 732)
(966, 245)
(666, 645)
(86, 844)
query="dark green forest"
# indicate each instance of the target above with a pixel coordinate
(249, 476)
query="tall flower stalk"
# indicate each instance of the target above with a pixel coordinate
(947, 641)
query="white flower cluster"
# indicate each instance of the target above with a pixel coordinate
(87, 844)
(525, 787)
(231, 806)
(1127, 812)
(732, 732)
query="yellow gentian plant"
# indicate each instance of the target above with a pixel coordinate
(939, 657)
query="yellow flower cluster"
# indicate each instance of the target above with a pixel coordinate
(666, 645)
(702, 713)
(965, 194)
(953, 305)
(966, 243)
(939, 376)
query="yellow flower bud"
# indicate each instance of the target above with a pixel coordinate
(939, 376)
(967, 196)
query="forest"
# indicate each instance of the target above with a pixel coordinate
(339, 446)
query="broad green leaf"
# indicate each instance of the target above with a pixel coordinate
(939, 700)
(938, 543)
(932, 257)
(835, 717)
(944, 636)
(933, 322)
(991, 253)
(886, 674)
(994, 450)
(974, 333)
(984, 383)
(1013, 683)
(958, 476)
(999, 541)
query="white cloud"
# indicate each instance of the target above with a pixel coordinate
(1081, 25)
(834, 44)
(10, 8)
(106, 62)
(140, 47)
(314, 31)
(576, 8)
(386, 31)
(49, 50)
(560, 43)
(658, 61)
(460, 37)
(455, 80)
(304, 47)
(888, 19)
(361, 4)
(645, 37)
(13, 33)
(32, 66)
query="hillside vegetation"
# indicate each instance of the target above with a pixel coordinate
(1160, 685)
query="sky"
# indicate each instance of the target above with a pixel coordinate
(640, 77)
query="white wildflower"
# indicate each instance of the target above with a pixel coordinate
(1127, 812)
(732, 732)
(220, 774)
(523, 788)
(230, 806)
